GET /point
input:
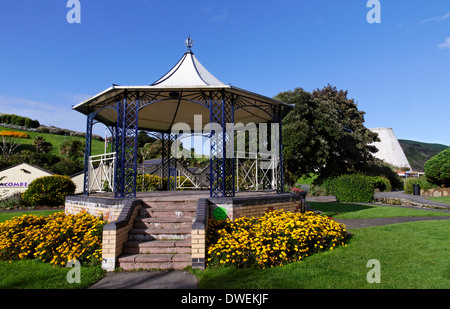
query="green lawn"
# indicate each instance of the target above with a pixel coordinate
(31, 274)
(5, 215)
(412, 255)
(440, 199)
(55, 140)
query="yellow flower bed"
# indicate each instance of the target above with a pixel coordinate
(275, 239)
(56, 238)
(14, 134)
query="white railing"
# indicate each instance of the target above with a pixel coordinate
(101, 178)
(254, 172)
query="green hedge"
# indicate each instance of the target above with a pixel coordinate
(351, 188)
(19, 121)
(422, 182)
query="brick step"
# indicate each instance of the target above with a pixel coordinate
(154, 261)
(157, 246)
(171, 222)
(156, 233)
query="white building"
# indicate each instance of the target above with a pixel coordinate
(16, 179)
(389, 149)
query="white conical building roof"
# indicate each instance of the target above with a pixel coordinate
(389, 148)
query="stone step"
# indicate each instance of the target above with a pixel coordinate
(170, 222)
(160, 237)
(157, 233)
(157, 247)
(154, 261)
(167, 211)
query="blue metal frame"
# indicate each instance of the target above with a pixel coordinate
(280, 171)
(87, 152)
(168, 162)
(222, 174)
(126, 145)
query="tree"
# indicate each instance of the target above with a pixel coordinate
(8, 146)
(437, 169)
(41, 145)
(325, 134)
(72, 149)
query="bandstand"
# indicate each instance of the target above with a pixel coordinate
(186, 100)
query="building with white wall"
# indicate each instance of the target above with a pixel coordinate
(389, 148)
(16, 179)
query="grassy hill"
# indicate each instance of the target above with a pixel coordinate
(55, 140)
(418, 153)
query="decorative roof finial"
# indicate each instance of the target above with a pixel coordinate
(189, 42)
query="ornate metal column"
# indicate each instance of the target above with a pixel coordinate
(222, 171)
(87, 152)
(280, 170)
(126, 145)
(168, 162)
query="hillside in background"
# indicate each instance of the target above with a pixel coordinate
(55, 139)
(418, 152)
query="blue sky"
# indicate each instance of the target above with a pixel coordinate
(398, 70)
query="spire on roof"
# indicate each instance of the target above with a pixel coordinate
(188, 72)
(189, 43)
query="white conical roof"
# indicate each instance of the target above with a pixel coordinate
(188, 72)
(389, 148)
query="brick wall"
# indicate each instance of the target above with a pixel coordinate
(198, 234)
(115, 233)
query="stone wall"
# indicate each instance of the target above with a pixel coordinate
(109, 208)
(436, 192)
(256, 206)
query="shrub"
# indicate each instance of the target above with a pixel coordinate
(147, 182)
(351, 188)
(275, 239)
(49, 191)
(437, 169)
(56, 238)
(422, 182)
(381, 183)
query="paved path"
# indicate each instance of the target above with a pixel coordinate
(147, 280)
(359, 223)
(419, 199)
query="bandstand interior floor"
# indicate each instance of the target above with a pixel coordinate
(181, 194)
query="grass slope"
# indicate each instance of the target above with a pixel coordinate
(55, 140)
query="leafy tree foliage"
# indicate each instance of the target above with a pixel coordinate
(41, 145)
(437, 169)
(72, 149)
(325, 134)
